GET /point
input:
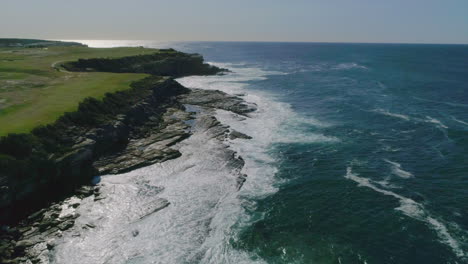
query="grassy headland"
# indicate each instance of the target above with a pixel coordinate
(64, 107)
(35, 90)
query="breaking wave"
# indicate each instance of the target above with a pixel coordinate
(414, 210)
(349, 66)
(202, 210)
(387, 113)
(397, 170)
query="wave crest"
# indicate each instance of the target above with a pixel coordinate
(397, 170)
(412, 209)
(349, 66)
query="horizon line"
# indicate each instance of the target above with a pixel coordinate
(247, 41)
(272, 41)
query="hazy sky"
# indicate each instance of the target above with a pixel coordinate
(414, 21)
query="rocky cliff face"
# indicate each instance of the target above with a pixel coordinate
(123, 131)
(54, 160)
(80, 144)
(166, 62)
(145, 134)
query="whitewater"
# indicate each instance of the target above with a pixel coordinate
(203, 210)
(357, 156)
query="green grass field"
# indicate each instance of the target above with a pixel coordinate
(34, 91)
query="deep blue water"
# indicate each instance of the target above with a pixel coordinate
(393, 188)
(392, 185)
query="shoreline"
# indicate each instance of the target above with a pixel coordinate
(38, 235)
(44, 169)
(54, 159)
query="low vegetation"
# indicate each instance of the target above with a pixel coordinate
(35, 90)
(62, 107)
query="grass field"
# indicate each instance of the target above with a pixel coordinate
(35, 91)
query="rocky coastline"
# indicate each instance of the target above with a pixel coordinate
(144, 134)
(52, 161)
(33, 238)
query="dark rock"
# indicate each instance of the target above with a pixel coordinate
(66, 225)
(99, 198)
(154, 206)
(163, 63)
(37, 216)
(149, 149)
(32, 231)
(85, 191)
(240, 181)
(50, 231)
(89, 225)
(23, 244)
(45, 224)
(6, 248)
(236, 134)
(50, 244)
(217, 99)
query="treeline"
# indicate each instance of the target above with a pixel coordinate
(166, 62)
(35, 43)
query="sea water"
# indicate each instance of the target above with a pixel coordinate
(359, 154)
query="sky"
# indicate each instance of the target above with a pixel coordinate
(383, 21)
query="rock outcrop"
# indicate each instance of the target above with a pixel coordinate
(148, 143)
(81, 144)
(165, 62)
(54, 160)
(44, 175)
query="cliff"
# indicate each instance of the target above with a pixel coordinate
(166, 62)
(53, 161)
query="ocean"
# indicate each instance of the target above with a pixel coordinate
(359, 154)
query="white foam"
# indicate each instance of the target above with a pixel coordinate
(206, 211)
(202, 192)
(397, 170)
(435, 121)
(428, 119)
(381, 85)
(276, 122)
(386, 184)
(67, 207)
(460, 121)
(387, 113)
(348, 66)
(270, 124)
(414, 210)
(441, 102)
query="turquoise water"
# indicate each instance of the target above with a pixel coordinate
(393, 187)
(364, 152)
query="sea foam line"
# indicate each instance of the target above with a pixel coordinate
(441, 102)
(436, 122)
(348, 66)
(414, 210)
(397, 170)
(273, 122)
(387, 113)
(427, 119)
(460, 121)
